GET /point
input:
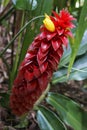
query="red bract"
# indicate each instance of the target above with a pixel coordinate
(42, 58)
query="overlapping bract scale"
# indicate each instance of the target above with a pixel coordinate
(41, 60)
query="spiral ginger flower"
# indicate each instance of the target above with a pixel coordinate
(41, 60)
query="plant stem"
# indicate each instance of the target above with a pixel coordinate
(19, 43)
(41, 16)
(41, 97)
(12, 75)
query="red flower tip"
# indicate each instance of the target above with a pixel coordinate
(63, 19)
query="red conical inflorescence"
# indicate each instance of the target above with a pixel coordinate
(42, 58)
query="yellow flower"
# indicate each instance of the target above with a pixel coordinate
(49, 25)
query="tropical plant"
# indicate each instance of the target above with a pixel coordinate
(61, 111)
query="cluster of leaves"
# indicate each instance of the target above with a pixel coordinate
(66, 109)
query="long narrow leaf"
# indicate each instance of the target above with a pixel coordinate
(79, 34)
(47, 120)
(79, 71)
(69, 111)
(67, 52)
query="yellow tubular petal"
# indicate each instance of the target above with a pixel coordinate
(49, 25)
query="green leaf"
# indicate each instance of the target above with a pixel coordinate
(66, 57)
(79, 71)
(67, 52)
(48, 120)
(60, 76)
(79, 34)
(83, 46)
(25, 4)
(69, 111)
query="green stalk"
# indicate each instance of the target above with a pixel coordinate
(41, 16)
(41, 98)
(12, 75)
